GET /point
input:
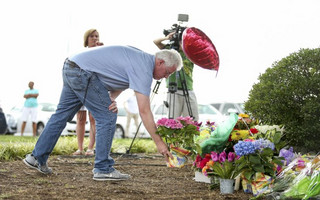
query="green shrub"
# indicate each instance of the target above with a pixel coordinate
(288, 94)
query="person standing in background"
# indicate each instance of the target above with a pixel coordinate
(30, 108)
(131, 107)
(91, 39)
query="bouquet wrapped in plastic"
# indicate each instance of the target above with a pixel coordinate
(307, 183)
(219, 137)
(179, 157)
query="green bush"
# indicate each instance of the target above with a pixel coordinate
(288, 94)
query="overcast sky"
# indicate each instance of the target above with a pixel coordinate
(249, 35)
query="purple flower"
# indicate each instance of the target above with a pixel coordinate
(287, 154)
(214, 156)
(222, 157)
(231, 156)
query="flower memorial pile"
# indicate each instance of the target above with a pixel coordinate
(239, 147)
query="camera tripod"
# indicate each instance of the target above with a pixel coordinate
(173, 88)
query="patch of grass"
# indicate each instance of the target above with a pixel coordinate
(6, 195)
(41, 181)
(14, 147)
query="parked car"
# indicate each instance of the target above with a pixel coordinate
(12, 119)
(122, 123)
(226, 108)
(3, 122)
(45, 110)
(70, 128)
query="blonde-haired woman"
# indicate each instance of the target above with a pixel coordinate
(91, 39)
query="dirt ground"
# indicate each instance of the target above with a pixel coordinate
(72, 179)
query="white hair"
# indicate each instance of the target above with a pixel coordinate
(170, 57)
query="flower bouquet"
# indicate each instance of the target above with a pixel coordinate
(200, 166)
(179, 134)
(258, 164)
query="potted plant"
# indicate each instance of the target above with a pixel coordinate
(179, 135)
(224, 167)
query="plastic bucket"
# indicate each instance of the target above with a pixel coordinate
(226, 186)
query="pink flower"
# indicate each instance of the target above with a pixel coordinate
(197, 161)
(162, 122)
(231, 156)
(222, 157)
(301, 163)
(173, 124)
(214, 156)
(187, 120)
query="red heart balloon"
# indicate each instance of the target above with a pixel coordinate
(199, 49)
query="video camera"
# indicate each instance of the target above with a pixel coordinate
(178, 29)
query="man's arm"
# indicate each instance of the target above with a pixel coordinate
(148, 121)
(158, 42)
(27, 96)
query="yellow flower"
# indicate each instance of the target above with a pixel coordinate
(243, 115)
(204, 133)
(239, 134)
(204, 169)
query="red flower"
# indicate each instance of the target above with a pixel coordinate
(254, 130)
(205, 160)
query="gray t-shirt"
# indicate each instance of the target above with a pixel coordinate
(119, 67)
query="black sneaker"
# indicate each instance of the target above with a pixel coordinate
(113, 176)
(32, 162)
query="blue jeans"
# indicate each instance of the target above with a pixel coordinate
(81, 88)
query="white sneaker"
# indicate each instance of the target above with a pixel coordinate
(32, 162)
(113, 176)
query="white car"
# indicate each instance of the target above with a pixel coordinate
(229, 107)
(70, 128)
(122, 123)
(45, 110)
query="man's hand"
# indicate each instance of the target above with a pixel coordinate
(113, 106)
(163, 150)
